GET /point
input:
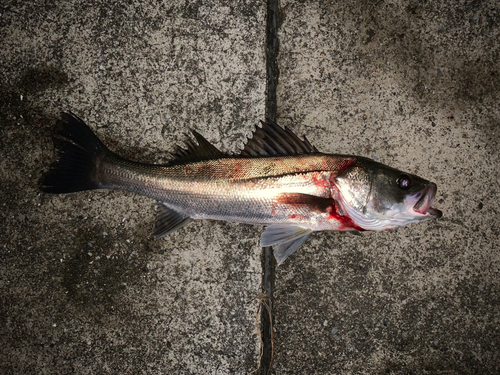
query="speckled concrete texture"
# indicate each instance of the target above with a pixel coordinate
(413, 85)
(84, 288)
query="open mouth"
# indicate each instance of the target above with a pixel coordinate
(423, 206)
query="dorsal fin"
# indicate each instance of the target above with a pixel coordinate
(273, 140)
(201, 151)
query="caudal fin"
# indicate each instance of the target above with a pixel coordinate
(79, 153)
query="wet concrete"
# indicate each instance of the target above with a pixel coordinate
(411, 84)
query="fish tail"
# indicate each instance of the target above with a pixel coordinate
(80, 152)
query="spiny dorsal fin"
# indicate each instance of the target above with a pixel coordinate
(273, 140)
(201, 151)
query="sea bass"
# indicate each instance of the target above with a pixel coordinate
(278, 180)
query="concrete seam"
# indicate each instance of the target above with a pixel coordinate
(268, 261)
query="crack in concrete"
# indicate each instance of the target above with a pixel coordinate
(268, 261)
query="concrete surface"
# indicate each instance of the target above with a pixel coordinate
(85, 290)
(414, 85)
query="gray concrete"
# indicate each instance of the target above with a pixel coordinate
(414, 86)
(84, 288)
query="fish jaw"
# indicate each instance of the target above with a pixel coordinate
(398, 215)
(422, 207)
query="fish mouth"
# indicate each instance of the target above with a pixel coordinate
(423, 206)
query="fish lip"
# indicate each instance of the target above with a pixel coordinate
(423, 206)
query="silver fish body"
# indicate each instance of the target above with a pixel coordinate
(278, 180)
(249, 190)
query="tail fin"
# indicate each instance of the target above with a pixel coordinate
(79, 152)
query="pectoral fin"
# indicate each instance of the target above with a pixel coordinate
(313, 202)
(168, 221)
(285, 239)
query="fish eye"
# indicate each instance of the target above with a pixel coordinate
(403, 181)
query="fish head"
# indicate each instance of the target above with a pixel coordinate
(378, 197)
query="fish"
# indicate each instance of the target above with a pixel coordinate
(277, 180)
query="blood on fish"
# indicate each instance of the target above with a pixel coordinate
(345, 221)
(347, 163)
(298, 217)
(321, 181)
(237, 170)
(188, 170)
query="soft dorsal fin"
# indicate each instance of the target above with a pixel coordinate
(201, 151)
(273, 140)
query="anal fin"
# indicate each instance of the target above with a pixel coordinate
(168, 221)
